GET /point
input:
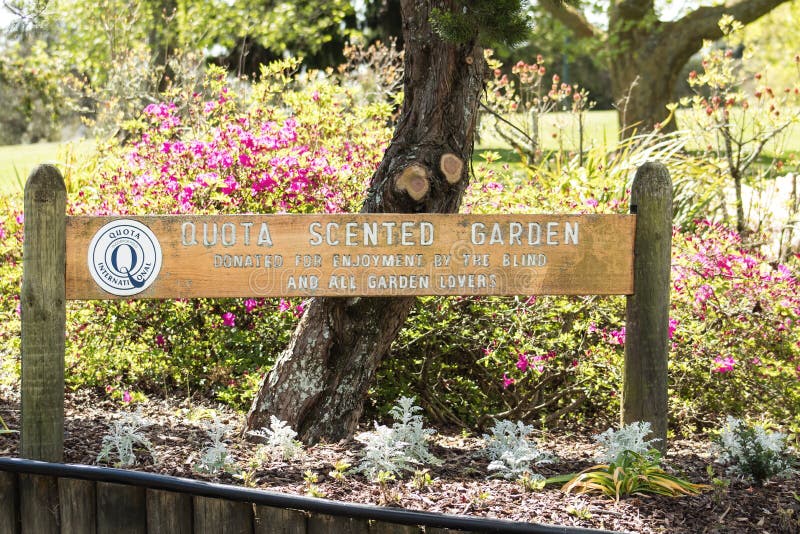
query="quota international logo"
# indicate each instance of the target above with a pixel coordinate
(124, 257)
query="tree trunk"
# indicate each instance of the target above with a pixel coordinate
(645, 55)
(645, 65)
(642, 93)
(320, 381)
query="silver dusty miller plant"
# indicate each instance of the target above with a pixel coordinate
(215, 457)
(124, 439)
(280, 440)
(511, 451)
(753, 452)
(401, 447)
(631, 437)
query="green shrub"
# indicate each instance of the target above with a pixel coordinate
(277, 145)
(286, 145)
(733, 321)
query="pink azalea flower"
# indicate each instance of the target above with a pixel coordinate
(126, 397)
(230, 185)
(284, 305)
(673, 325)
(522, 362)
(617, 337)
(703, 293)
(507, 381)
(723, 365)
(229, 319)
(250, 305)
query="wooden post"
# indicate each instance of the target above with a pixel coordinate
(43, 308)
(644, 390)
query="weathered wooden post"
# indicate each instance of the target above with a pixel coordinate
(43, 308)
(644, 396)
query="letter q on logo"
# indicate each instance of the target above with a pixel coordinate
(124, 257)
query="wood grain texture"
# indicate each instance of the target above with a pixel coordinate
(121, 509)
(38, 499)
(374, 254)
(168, 512)
(220, 516)
(9, 503)
(328, 524)
(380, 527)
(644, 395)
(78, 505)
(43, 313)
(270, 520)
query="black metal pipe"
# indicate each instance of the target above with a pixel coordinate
(281, 500)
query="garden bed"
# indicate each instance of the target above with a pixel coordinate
(459, 486)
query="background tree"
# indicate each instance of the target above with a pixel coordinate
(776, 49)
(644, 54)
(319, 382)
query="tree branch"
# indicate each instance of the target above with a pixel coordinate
(571, 17)
(702, 23)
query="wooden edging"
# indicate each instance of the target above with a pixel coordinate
(113, 484)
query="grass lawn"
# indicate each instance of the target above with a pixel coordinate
(561, 131)
(558, 131)
(17, 161)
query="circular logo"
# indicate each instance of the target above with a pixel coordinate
(124, 257)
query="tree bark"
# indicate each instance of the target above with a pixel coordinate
(645, 55)
(319, 383)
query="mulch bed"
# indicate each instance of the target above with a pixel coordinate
(459, 486)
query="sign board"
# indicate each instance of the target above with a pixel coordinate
(348, 255)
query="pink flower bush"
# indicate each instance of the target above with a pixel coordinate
(227, 154)
(522, 362)
(738, 311)
(723, 365)
(507, 381)
(284, 146)
(733, 331)
(229, 319)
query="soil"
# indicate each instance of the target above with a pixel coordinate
(459, 486)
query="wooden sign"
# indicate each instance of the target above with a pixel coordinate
(348, 255)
